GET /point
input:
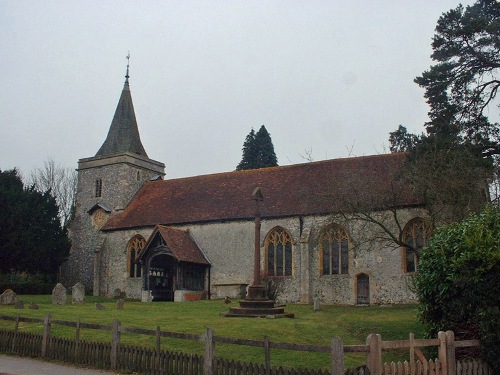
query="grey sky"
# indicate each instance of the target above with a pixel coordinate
(330, 77)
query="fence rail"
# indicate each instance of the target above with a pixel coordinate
(155, 361)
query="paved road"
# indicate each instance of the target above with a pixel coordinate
(27, 366)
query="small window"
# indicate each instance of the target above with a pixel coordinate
(98, 188)
(334, 251)
(135, 245)
(138, 175)
(416, 233)
(279, 253)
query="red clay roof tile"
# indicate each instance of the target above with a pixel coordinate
(295, 190)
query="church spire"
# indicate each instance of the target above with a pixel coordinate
(123, 135)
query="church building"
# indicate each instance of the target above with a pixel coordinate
(139, 233)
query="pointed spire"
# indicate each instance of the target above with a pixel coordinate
(123, 135)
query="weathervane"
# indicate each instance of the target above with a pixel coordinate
(128, 61)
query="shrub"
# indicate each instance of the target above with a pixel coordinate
(458, 279)
(26, 284)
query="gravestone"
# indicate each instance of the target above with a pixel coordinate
(19, 305)
(120, 303)
(33, 306)
(78, 293)
(316, 304)
(99, 306)
(146, 296)
(59, 295)
(8, 297)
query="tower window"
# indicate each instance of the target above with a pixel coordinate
(138, 175)
(98, 188)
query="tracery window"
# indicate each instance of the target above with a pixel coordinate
(135, 245)
(416, 233)
(278, 252)
(334, 251)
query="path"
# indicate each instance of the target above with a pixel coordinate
(28, 366)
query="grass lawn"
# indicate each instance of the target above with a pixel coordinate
(351, 323)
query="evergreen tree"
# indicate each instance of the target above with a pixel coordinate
(461, 86)
(32, 239)
(249, 158)
(258, 151)
(266, 156)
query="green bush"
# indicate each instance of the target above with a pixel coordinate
(26, 284)
(458, 280)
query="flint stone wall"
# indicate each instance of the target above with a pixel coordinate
(230, 246)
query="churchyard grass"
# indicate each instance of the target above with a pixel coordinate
(351, 323)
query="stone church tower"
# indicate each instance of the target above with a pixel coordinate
(106, 183)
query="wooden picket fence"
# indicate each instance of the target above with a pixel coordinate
(155, 361)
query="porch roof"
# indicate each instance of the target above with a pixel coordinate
(180, 242)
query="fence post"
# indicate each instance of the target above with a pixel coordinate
(443, 360)
(374, 356)
(46, 335)
(77, 341)
(267, 355)
(208, 364)
(16, 328)
(337, 351)
(450, 353)
(115, 344)
(158, 348)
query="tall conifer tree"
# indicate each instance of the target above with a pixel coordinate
(258, 151)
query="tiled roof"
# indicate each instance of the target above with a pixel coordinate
(123, 135)
(183, 247)
(296, 190)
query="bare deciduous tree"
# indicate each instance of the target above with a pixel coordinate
(61, 182)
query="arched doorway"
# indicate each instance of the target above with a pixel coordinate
(161, 277)
(363, 289)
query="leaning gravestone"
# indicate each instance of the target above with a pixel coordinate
(8, 297)
(59, 295)
(78, 293)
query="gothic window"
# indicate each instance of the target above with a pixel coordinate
(334, 251)
(135, 245)
(278, 253)
(415, 233)
(98, 187)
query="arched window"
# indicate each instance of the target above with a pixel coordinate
(135, 245)
(416, 233)
(334, 251)
(279, 253)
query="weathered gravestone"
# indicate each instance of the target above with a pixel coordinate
(78, 293)
(8, 297)
(59, 295)
(120, 303)
(99, 306)
(19, 305)
(316, 304)
(33, 306)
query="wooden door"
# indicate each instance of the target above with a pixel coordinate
(363, 289)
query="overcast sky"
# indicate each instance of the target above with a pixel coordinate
(327, 78)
